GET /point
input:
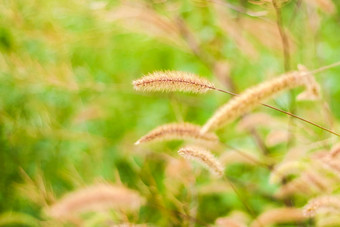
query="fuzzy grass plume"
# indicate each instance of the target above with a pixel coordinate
(234, 219)
(178, 131)
(312, 88)
(169, 81)
(204, 157)
(279, 215)
(316, 205)
(310, 182)
(252, 97)
(296, 186)
(285, 169)
(329, 161)
(335, 151)
(331, 164)
(95, 198)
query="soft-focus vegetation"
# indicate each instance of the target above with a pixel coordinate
(69, 116)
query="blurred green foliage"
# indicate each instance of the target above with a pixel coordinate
(68, 110)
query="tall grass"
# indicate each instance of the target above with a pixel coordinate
(228, 75)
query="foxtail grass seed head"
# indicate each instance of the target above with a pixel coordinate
(298, 185)
(276, 137)
(312, 91)
(317, 181)
(234, 156)
(329, 161)
(254, 120)
(314, 206)
(96, 198)
(169, 81)
(310, 181)
(330, 219)
(234, 219)
(335, 151)
(229, 222)
(279, 215)
(204, 157)
(252, 97)
(286, 168)
(178, 131)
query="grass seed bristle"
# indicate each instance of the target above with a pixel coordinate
(204, 157)
(169, 81)
(95, 198)
(252, 97)
(285, 169)
(326, 201)
(279, 215)
(178, 131)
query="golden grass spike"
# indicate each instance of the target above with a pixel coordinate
(312, 91)
(277, 136)
(235, 156)
(286, 168)
(296, 186)
(95, 198)
(329, 161)
(259, 119)
(319, 182)
(169, 81)
(331, 218)
(316, 205)
(310, 181)
(325, 5)
(234, 219)
(229, 222)
(335, 151)
(204, 157)
(278, 215)
(178, 131)
(252, 97)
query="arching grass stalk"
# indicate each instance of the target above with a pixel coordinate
(285, 112)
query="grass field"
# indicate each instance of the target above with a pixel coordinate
(70, 116)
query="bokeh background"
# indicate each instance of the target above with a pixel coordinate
(69, 116)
